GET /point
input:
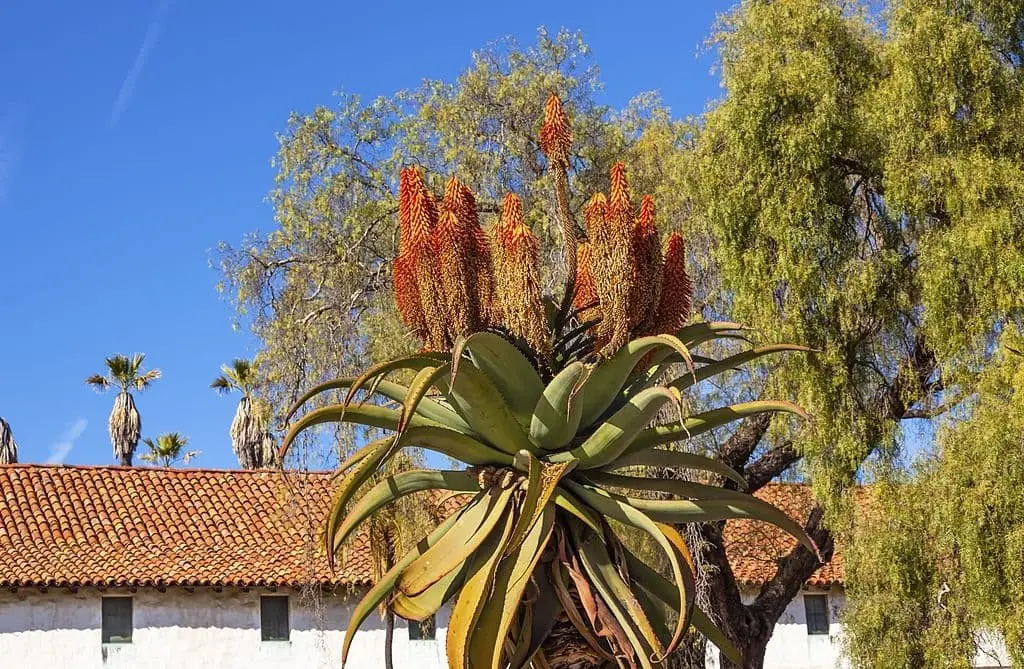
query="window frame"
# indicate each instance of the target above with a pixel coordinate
(107, 635)
(816, 629)
(266, 628)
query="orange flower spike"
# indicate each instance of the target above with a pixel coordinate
(407, 293)
(676, 288)
(517, 285)
(647, 249)
(423, 260)
(407, 296)
(555, 133)
(584, 297)
(620, 205)
(479, 250)
(450, 244)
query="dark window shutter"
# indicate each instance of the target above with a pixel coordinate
(117, 619)
(423, 631)
(816, 608)
(274, 617)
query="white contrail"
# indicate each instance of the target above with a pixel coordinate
(124, 96)
(59, 451)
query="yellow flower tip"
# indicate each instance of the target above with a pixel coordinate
(595, 210)
(512, 227)
(618, 195)
(645, 221)
(555, 133)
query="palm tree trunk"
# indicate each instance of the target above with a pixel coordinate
(8, 449)
(125, 427)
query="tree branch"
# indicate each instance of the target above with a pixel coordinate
(795, 569)
(770, 465)
(740, 445)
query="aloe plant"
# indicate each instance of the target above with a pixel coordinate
(553, 408)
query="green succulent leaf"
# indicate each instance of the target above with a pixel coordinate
(621, 509)
(704, 511)
(615, 435)
(663, 591)
(732, 362)
(476, 399)
(385, 584)
(505, 365)
(556, 416)
(657, 457)
(476, 523)
(607, 379)
(395, 487)
(709, 420)
(474, 595)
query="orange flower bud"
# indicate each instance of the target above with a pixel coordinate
(517, 285)
(676, 288)
(647, 251)
(417, 220)
(555, 133)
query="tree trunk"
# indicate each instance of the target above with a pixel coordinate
(565, 648)
(126, 459)
(691, 654)
(389, 637)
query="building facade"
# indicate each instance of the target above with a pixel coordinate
(111, 567)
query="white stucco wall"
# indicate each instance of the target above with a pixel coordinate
(61, 630)
(791, 647)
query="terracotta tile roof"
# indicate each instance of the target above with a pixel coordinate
(120, 526)
(67, 526)
(755, 548)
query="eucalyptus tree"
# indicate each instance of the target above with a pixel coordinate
(125, 425)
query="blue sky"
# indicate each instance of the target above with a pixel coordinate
(134, 136)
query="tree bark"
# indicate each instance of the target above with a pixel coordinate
(389, 637)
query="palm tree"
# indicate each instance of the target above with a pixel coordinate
(165, 450)
(251, 438)
(125, 425)
(8, 449)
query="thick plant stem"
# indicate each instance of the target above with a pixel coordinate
(560, 173)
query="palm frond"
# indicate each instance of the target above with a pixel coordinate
(223, 385)
(144, 381)
(99, 382)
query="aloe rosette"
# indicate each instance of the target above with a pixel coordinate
(549, 467)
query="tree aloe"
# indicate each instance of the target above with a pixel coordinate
(555, 406)
(125, 424)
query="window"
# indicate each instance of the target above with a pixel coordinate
(816, 608)
(117, 620)
(424, 631)
(274, 617)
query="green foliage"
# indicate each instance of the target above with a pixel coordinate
(867, 176)
(166, 450)
(938, 558)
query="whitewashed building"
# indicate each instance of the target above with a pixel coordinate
(114, 567)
